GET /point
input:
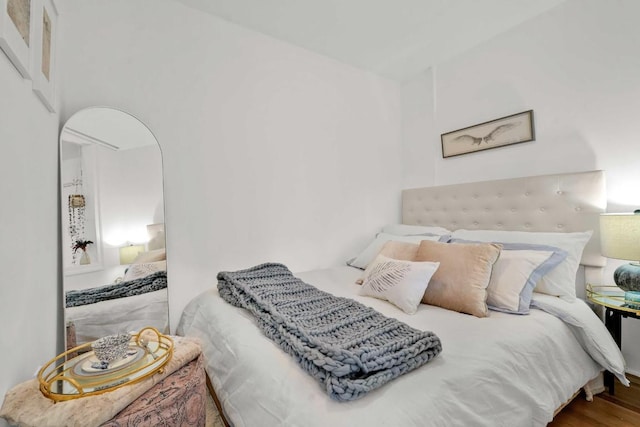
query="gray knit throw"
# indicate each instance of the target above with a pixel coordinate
(348, 347)
(152, 282)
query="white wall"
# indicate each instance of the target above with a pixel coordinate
(577, 66)
(30, 298)
(271, 153)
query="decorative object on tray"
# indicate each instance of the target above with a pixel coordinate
(106, 364)
(508, 130)
(111, 348)
(620, 239)
(94, 366)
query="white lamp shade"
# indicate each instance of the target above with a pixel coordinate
(129, 253)
(620, 236)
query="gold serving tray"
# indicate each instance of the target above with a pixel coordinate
(69, 376)
(612, 297)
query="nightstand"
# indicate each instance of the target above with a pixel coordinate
(616, 307)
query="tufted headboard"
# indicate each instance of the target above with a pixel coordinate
(558, 203)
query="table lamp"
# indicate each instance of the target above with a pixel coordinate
(129, 253)
(620, 239)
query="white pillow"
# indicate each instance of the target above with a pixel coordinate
(370, 252)
(135, 271)
(516, 273)
(402, 283)
(561, 280)
(412, 230)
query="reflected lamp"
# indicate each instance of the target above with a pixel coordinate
(129, 253)
(620, 239)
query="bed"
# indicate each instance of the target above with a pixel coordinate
(139, 300)
(502, 369)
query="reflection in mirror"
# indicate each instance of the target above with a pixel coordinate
(114, 256)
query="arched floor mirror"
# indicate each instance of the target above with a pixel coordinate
(113, 244)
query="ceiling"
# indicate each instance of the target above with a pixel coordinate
(394, 38)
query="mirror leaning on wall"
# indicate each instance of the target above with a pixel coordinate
(113, 230)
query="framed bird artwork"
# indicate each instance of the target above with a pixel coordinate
(508, 130)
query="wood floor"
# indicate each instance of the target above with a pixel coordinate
(622, 409)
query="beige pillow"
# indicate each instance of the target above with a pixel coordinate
(461, 281)
(136, 271)
(402, 251)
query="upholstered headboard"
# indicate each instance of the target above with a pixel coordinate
(559, 203)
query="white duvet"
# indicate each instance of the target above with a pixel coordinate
(504, 370)
(93, 321)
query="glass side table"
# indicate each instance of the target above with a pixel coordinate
(616, 307)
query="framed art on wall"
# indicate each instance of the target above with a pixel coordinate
(45, 26)
(16, 21)
(508, 130)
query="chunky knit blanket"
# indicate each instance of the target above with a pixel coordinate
(349, 348)
(152, 282)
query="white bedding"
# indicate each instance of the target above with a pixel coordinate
(504, 370)
(93, 321)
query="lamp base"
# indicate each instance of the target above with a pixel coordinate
(627, 277)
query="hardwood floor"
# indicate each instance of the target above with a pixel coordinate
(622, 409)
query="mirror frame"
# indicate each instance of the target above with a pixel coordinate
(99, 264)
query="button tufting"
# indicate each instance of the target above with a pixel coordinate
(578, 208)
(464, 209)
(513, 209)
(527, 194)
(560, 226)
(499, 224)
(542, 209)
(476, 223)
(559, 192)
(499, 195)
(475, 196)
(527, 225)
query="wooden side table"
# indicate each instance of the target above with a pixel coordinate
(616, 307)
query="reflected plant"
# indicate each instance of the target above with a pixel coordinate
(80, 244)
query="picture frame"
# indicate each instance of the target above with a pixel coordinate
(514, 129)
(44, 57)
(16, 33)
